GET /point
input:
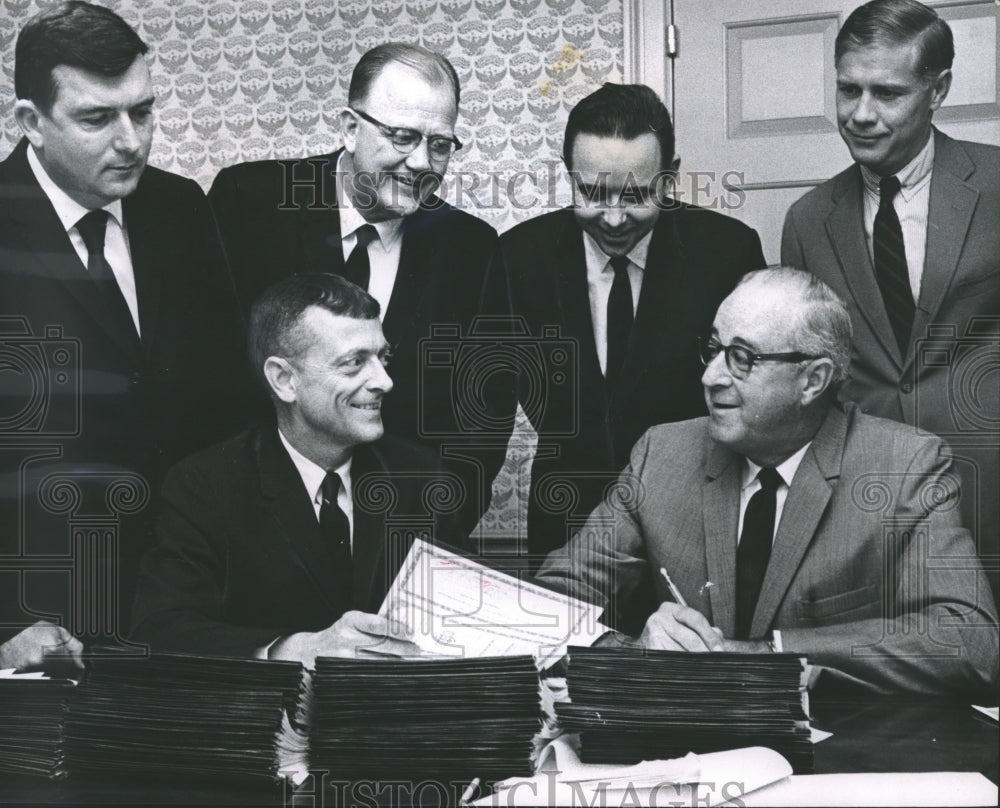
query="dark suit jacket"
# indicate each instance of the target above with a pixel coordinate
(946, 383)
(447, 277)
(587, 429)
(84, 394)
(871, 574)
(240, 560)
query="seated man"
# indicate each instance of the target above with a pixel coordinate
(277, 542)
(789, 523)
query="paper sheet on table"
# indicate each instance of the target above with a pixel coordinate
(708, 779)
(877, 789)
(459, 608)
(992, 712)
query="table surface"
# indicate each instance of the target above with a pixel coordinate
(884, 736)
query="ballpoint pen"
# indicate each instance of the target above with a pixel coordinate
(674, 591)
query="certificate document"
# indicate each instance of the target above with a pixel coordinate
(458, 607)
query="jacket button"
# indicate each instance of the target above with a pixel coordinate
(907, 388)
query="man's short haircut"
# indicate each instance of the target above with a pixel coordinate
(622, 111)
(899, 22)
(75, 34)
(275, 318)
(433, 67)
(824, 327)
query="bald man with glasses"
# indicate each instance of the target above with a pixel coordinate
(787, 522)
(369, 212)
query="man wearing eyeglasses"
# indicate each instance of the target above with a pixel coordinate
(787, 522)
(369, 212)
(628, 275)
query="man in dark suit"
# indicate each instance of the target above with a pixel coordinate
(628, 278)
(117, 316)
(368, 212)
(908, 237)
(787, 522)
(282, 542)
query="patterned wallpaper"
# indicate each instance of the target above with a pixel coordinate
(252, 79)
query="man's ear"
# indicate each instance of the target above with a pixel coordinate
(27, 116)
(281, 377)
(818, 376)
(939, 89)
(348, 129)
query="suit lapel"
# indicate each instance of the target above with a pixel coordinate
(292, 511)
(846, 229)
(573, 298)
(808, 496)
(319, 228)
(150, 248)
(35, 222)
(418, 253)
(952, 203)
(720, 498)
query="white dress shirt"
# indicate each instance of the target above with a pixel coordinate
(751, 485)
(312, 478)
(600, 276)
(116, 250)
(383, 252)
(911, 205)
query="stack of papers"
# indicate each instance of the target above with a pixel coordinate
(185, 716)
(633, 704)
(446, 721)
(31, 709)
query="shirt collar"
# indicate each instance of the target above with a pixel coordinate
(312, 474)
(597, 257)
(910, 175)
(351, 218)
(68, 209)
(786, 469)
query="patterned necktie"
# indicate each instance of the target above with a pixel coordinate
(620, 316)
(92, 228)
(336, 531)
(754, 550)
(358, 268)
(890, 265)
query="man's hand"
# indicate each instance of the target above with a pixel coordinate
(350, 637)
(673, 627)
(39, 642)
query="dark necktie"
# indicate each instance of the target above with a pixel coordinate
(755, 549)
(336, 530)
(92, 228)
(620, 316)
(358, 268)
(890, 265)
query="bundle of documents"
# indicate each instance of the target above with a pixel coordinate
(447, 720)
(185, 716)
(31, 711)
(631, 704)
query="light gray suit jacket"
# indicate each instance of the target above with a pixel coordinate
(871, 574)
(947, 381)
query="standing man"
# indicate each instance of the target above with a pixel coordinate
(908, 237)
(120, 326)
(368, 212)
(788, 522)
(631, 278)
(281, 542)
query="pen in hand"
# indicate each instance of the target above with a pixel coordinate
(675, 593)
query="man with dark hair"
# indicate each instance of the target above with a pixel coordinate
(630, 278)
(369, 212)
(281, 542)
(117, 312)
(786, 522)
(908, 237)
